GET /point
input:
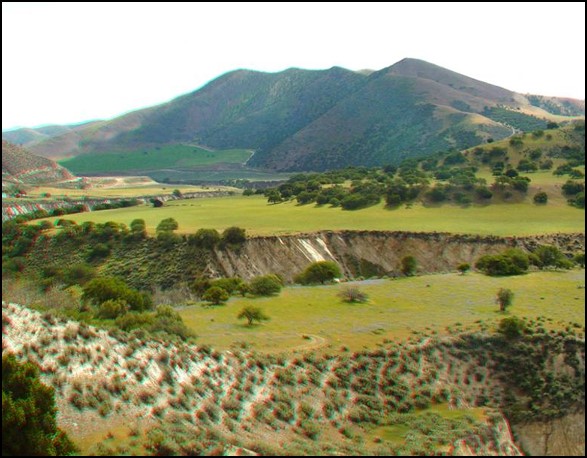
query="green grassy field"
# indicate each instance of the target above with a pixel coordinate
(258, 217)
(175, 156)
(396, 309)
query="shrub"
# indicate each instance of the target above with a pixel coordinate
(215, 295)
(353, 295)
(540, 198)
(512, 327)
(233, 236)
(29, 426)
(102, 289)
(265, 285)
(464, 268)
(319, 272)
(98, 251)
(112, 309)
(138, 228)
(409, 266)
(167, 225)
(230, 284)
(551, 256)
(204, 238)
(511, 262)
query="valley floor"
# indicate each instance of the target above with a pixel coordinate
(314, 317)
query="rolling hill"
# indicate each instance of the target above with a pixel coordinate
(315, 120)
(20, 166)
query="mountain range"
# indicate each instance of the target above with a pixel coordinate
(298, 119)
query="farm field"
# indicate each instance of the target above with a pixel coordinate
(260, 218)
(396, 309)
(181, 156)
(125, 191)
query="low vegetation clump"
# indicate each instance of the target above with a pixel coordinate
(511, 262)
(265, 285)
(409, 266)
(319, 272)
(216, 295)
(353, 295)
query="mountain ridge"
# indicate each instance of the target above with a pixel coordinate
(300, 119)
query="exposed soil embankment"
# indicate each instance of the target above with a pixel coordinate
(372, 253)
(558, 437)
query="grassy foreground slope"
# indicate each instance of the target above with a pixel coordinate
(260, 218)
(396, 309)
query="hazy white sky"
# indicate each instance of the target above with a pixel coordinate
(70, 62)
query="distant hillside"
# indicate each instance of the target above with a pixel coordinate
(20, 166)
(29, 136)
(315, 120)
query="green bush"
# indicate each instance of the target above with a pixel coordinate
(551, 256)
(319, 272)
(409, 266)
(512, 327)
(215, 295)
(112, 309)
(167, 225)
(102, 289)
(540, 198)
(512, 262)
(265, 285)
(29, 426)
(233, 236)
(230, 284)
(204, 238)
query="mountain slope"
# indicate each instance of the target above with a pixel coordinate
(314, 120)
(29, 136)
(20, 166)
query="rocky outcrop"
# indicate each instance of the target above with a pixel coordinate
(371, 253)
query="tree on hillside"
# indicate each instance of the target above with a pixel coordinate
(319, 272)
(29, 427)
(505, 298)
(215, 295)
(177, 193)
(252, 314)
